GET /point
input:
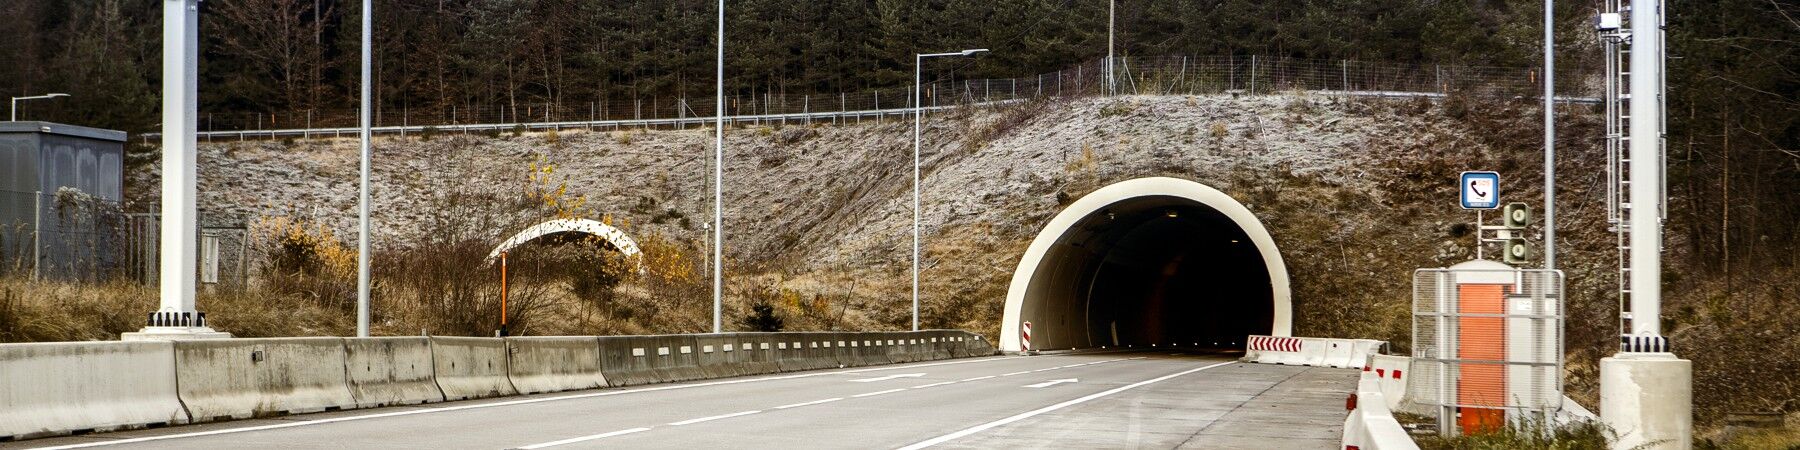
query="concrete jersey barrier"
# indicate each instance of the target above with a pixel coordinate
(1318, 352)
(243, 378)
(103, 386)
(468, 367)
(385, 371)
(554, 364)
(58, 388)
(1371, 425)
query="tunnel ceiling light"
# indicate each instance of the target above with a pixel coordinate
(1172, 213)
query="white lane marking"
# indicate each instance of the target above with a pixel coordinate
(1022, 372)
(871, 394)
(583, 439)
(978, 378)
(1046, 368)
(1053, 383)
(717, 417)
(814, 402)
(889, 377)
(604, 393)
(1028, 414)
(933, 385)
(1073, 365)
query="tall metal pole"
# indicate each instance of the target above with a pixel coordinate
(1646, 171)
(176, 318)
(181, 50)
(362, 203)
(718, 178)
(1111, 85)
(918, 113)
(1549, 135)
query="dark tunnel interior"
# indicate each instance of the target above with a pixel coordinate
(1151, 270)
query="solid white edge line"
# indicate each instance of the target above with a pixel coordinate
(1028, 414)
(814, 402)
(582, 439)
(977, 378)
(1022, 372)
(604, 393)
(717, 417)
(933, 385)
(871, 394)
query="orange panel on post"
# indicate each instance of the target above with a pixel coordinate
(1483, 339)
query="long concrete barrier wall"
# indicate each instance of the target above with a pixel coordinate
(387, 371)
(553, 364)
(54, 388)
(468, 367)
(62, 388)
(243, 378)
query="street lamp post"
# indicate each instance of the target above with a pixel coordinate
(362, 204)
(918, 114)
(719, 177)
(15, 102)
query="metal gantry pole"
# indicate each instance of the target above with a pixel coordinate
(181, 37)
(362, 203)
(718, 178)
(1549, 135)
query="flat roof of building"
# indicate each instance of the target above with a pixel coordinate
(63, 130)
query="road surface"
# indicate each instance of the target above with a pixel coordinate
(1163, 399)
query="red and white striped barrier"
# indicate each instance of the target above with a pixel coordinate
(1322, 352)
(1274, 344)
(1025, 337)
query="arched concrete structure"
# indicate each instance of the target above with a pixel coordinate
(1149, 261)
(617, 239)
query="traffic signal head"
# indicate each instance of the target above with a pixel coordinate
(1517, 215)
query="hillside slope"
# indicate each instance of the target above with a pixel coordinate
(1356, 193)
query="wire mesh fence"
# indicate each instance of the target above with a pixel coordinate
(1162, 75)
(1488, 342)
(65, 234)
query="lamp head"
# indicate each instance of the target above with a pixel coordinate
(973, 51)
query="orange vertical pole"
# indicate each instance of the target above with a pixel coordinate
(503, 293)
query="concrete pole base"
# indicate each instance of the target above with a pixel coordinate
(1647, 400)
(174, 334)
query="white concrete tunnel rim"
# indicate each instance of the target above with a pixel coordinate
(1148, 187)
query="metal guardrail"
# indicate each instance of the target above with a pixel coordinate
(756, 119)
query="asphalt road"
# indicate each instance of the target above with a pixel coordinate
(1092, 400)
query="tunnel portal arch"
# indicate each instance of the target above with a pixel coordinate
(1149, 261)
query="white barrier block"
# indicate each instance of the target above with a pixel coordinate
(55, 388)
(241, 378)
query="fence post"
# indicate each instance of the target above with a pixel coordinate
(878, 107)
(1439, 71)
(806, 108)
(1182, 77)
(37, 228)
(1040, 86)
(1252, 74)
(1346, 78)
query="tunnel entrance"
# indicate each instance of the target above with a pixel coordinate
(1159, 261)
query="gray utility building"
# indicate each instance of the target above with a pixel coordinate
(60, 193)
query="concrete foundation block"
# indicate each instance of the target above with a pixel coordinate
(1647, 399)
